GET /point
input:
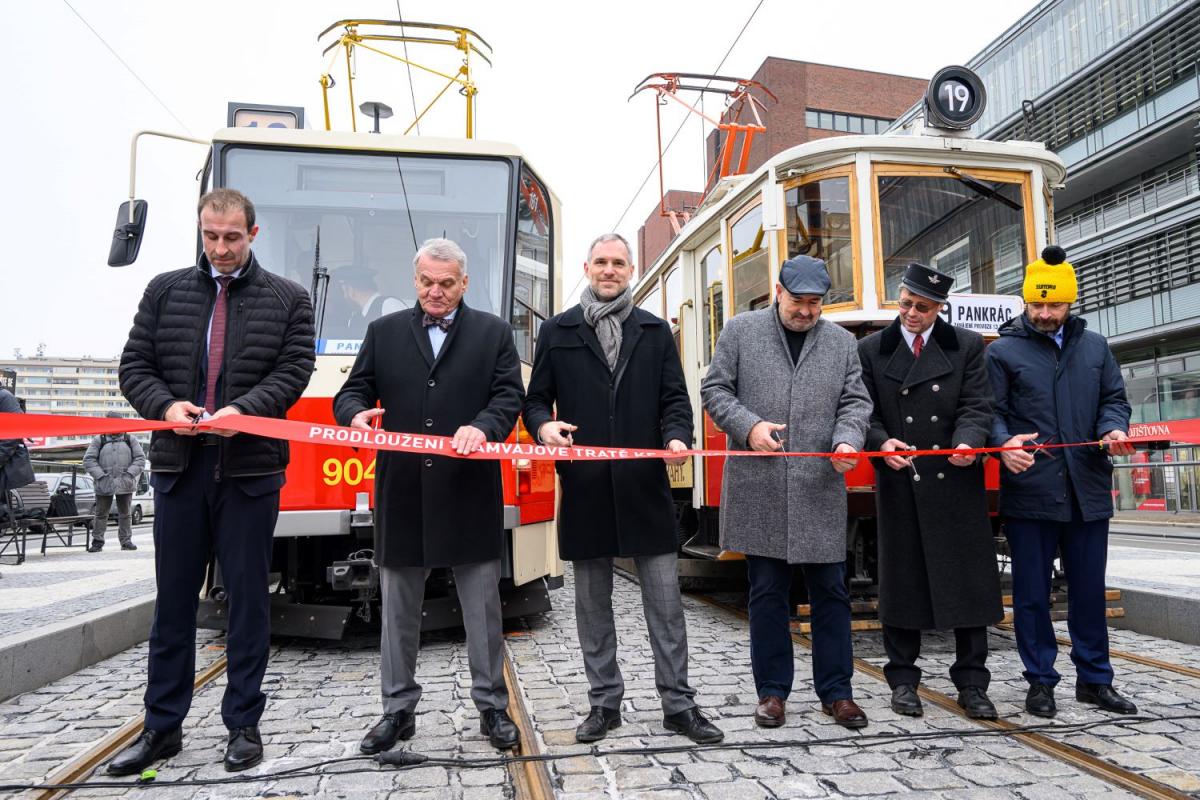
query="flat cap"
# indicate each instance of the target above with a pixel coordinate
(805, 275)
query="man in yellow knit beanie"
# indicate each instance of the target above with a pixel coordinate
(1056, 381)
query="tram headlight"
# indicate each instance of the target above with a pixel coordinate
(955, 99)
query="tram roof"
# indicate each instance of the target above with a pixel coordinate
(362, 141)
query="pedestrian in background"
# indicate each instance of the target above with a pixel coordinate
(115, 462)
(937, 560)
(1057, 382)
(782, 378)
(613, 373)
(15, 469)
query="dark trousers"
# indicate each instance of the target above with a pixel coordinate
(771, 654)
(195, 515)
(1084, 559)
(903, 646)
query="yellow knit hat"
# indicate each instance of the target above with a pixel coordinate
(1050, 279)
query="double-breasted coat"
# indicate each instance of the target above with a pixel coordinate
(612, 508)
(786, 508)
(432, 510)
(937, 560)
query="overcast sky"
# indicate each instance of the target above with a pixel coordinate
(562, 73)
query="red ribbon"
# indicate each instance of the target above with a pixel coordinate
(20, 426)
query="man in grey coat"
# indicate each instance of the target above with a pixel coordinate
(782, 378)
(115, 461)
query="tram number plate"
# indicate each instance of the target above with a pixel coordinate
(680, 475)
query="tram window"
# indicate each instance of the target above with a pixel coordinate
(373, 211)
(974, 229)
(712, 268)
(652, 303)
(531, 288)
(818, 225)
(752, 285)
(673, 294)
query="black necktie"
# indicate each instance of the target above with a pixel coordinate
(442, 322)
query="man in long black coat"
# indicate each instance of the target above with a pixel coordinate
(442, 369)
(937, 562)
(614, 373)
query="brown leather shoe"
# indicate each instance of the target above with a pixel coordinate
(769, 713)
(846, 713)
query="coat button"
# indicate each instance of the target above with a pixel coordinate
(904, 391)
(431, 383)
(916, 477)
(936, 447)
(941, 475)
(936, 388)
(429, 462)
(428, 423)
(908, 419)
(933, 418)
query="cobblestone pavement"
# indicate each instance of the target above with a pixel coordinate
(550, 669)
(69, 581)
(324, 696)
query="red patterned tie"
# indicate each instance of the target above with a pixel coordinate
(918, 345)
(216, 342)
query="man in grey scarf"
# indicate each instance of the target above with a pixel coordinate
(607, 373)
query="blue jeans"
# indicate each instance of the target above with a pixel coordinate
(1084, 558)
(771, 652)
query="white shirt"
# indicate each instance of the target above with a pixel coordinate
(437, 336)
(911, 337)
(389, 306)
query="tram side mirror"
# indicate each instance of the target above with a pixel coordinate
(127, 236)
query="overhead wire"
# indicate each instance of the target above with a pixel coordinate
(411, 90)
(671, 141)
(130, 69)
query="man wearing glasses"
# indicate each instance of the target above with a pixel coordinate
(1054, 380)
(937, 563)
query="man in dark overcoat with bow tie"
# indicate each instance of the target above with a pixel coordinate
(447, 370)
(937, 561)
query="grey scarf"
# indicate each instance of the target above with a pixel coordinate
(606, 318)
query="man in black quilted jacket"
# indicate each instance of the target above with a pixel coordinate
(221, 338)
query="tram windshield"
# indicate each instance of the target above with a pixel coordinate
(373, 211)
(971, 228)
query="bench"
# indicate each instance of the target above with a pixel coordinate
(23, 520)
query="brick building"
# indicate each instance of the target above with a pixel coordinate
(815, 101)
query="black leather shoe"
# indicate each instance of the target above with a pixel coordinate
(906, 701)
(128, 546)
(244, 749)
(694, 725)
(95, 546)
(599, 722)
(1105, 696)
(151, 746)
(1039, 701)
(975, 702)
(501, 731)
(383, 735)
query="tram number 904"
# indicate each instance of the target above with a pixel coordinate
(351, 472)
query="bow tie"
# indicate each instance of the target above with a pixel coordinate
(442, 322)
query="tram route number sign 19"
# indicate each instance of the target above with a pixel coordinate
(982, 313)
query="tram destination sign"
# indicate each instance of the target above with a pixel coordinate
(982, 313)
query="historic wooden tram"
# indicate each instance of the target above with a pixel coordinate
(868, 205)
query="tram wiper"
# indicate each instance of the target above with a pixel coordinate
(982, 188)
(320, 287)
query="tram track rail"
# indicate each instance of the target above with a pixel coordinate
(1106, 771)
(81, 766)
(1125, 655)
(530, 779)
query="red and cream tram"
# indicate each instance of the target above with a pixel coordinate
(867, 205)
